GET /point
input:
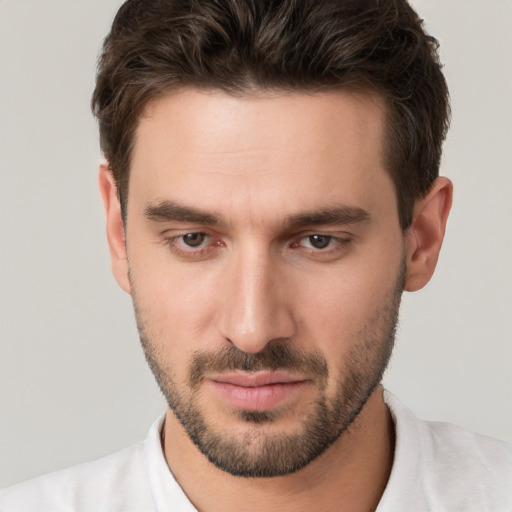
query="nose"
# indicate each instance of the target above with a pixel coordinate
(256, 307)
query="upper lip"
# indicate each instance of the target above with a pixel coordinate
(256, 379)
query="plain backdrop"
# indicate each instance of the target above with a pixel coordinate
(73, 381)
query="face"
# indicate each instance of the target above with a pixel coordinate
(266, 268)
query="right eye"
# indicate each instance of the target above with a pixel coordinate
(193, 239)
(194, 245)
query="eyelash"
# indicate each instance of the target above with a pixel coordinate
(340, 243)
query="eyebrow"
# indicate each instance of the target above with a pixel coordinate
(329, 216)
(166, 211)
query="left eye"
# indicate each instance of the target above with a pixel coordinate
(318, 241)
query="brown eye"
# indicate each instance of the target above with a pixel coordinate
(319, 241)
(194, 239)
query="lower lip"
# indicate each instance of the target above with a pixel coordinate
(259, 398)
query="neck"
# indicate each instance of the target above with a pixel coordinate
(350, 475)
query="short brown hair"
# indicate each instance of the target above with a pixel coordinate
(240, 46)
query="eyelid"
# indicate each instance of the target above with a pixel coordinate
(338, 245)
(178, 232)
(338, 235)
(187, 252)
(335, 238)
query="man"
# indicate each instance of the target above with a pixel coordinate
(271, 187)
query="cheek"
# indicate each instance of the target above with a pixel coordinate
(348, 303)
(176, 304)
(170, 318)
(185, 306)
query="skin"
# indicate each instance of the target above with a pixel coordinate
(254, 162)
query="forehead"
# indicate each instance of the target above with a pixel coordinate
(291, 148)
(197, 117)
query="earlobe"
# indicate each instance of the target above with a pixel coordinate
(425, 236)
(115, 227)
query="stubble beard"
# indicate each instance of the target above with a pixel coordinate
(257, 452)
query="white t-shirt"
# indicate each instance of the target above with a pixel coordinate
(437, 467)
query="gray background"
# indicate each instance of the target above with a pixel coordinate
(73, 381)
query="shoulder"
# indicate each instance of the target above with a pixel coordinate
(468, 467)
(440, 466)
(116, 482)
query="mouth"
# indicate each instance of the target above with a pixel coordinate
(258, 391)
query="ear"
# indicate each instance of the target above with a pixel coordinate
(425, 236)
(115, 227)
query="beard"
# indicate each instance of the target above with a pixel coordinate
(257, 452)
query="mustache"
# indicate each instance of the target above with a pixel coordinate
(274, 357)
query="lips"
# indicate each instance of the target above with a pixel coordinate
(259, 391)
